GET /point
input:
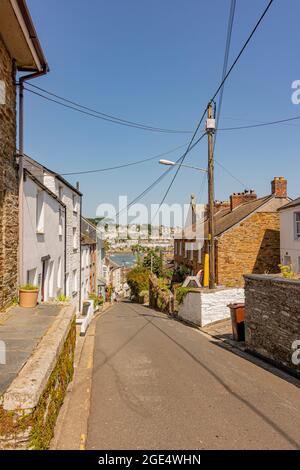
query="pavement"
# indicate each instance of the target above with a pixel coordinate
(21, 329)
(157, 383)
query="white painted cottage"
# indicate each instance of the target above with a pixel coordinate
(43, 241)
(70, 197)
(290, 234)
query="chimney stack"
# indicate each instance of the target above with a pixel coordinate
(279, 186)
(236, 199)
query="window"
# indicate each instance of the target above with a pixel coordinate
(60, 224)
(287, 260)
(199, 255)
(40, 212)
(75, 281)
(67, 284)
(75, 238)
(60, 192)
(59, 269)
(31, 276)
(74, 203)
(297, 225)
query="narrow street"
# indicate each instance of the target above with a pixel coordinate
(159, 384)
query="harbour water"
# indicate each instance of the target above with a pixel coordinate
(127, 260)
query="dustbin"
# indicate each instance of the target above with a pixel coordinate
(237, 312)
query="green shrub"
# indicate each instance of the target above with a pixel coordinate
(180, 293)
(29, 287)
(138, 280)
(287, 271)
(63, 298)
(98, 300)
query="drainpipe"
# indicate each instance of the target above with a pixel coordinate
(21, 165)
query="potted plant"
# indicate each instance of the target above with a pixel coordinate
(28, 296)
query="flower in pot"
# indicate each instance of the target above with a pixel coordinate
(28, 296)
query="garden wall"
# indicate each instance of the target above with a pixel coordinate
(202, 307)
(30, 406)
(272, 319)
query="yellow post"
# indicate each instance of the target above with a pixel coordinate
(206, 270)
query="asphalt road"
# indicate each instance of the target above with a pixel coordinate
(159, 384)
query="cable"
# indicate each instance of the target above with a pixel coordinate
(155, 182)
(262, 124)
(242, 50)
(225, 63)
(174, 177)
(216, 93)
(100, 115)
(125, 164)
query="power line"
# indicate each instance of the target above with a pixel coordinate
(217, 92)
(242, 50)
(138, 162)
(225, 62)
(157, 180)
(262, 124)
(101, 115)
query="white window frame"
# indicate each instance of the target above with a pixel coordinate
(75, 281)
(40, 211)
(60, 223)
(297, 225)
(74, 201)
(75, 241)
(59, 273)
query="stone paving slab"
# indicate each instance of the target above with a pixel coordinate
(21, 330)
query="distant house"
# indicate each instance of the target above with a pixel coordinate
(290, 234)
(71, 198)
(247, 237)
(88, 259)
(20, 50)
(43, 238)
(113, 275)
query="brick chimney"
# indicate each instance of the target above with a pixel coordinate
(279, 186)
(236, 199)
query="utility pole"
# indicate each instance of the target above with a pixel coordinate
(210, 128)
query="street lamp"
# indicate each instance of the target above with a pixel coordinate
(169, 162)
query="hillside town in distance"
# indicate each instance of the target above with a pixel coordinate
(149, 308)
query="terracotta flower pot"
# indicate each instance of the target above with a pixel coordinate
(28, 298)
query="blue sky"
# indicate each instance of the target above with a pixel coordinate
(159, 62)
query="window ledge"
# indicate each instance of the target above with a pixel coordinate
(40, 232)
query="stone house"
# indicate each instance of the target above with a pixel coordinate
(43, 238)
(290, 234)
(71, 198)
(20, 50)
(246, 237)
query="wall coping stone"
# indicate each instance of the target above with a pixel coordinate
(24, 392)
(272, 278)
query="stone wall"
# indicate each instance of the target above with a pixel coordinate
(8, 183)
(30, 406)
(252, 247)
(272, 317)
(202, 307)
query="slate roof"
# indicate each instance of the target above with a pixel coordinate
(294, 203)
(225, 218)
